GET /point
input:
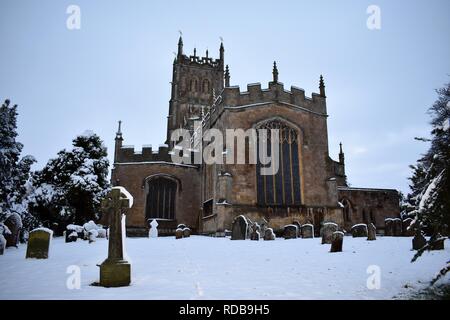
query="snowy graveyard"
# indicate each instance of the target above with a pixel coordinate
(200, 267)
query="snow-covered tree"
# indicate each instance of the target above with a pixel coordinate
(14, 170)
(430, 182)
(70, 187)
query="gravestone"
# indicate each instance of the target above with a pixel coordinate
(153, 233)
(307, 231)
(186, 232)
(389, 227)
(290, 231)
(371, 232)
(115, 271)
(359, 230)
(239, 228)
(14, 224)
(263, 225)
(397, 227)
(269, 234)
(408, 229)
(92, 235)
(178, 233)
(39, 243)
(101, 233)
(437, 242)
(337, 239)
(2, 244)
(419, 241)
(70, 236)
(181, 226)
(327, 231)
(255, 233)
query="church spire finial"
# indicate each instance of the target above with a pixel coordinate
(227, 76)
(322, 87)
(119, 130)
(180, 46)
(275, 72)
(222, 52)
(341, 154)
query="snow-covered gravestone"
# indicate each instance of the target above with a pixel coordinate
(14, 224)
(327, 231)
(39, 243)
(115, 271)
(336, 241)
(371, 232)
(239, 228)
(359, 230)
(307, 231)
(290, 231)
(153, 229)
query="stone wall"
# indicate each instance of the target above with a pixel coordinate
(132, 176)
(369, 205)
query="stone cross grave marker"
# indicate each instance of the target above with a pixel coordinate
(115, 271)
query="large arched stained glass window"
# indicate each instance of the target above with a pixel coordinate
(283, 187)
(160, 202)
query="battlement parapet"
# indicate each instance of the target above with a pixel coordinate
(129, 154)
(255, 94)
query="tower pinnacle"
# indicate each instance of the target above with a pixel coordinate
(341, 154)
(322, 87)
(275, 72)
(227, 76)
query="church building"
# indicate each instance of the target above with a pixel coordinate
(309, 187)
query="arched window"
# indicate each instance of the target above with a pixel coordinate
(205, 86)
(161, 195)
(193, 85)
(282, 188)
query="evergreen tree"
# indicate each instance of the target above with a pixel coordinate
(70, 187)
(430, 187)
(14, 171)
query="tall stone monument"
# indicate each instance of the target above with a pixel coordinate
(115, 271)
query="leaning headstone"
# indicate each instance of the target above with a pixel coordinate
(14, 224)
(327, 231)
(290, 231)
(359, 230)
(178, 233)
(115, 271)
(39, 243)
(269, 234)
(408, 229)
(371, 232)
(307, 231)
(153, 233)
(336, 241)
(389, 227)
(419, 241)
(239, 228)
(2, 244)
(186, 232)
(397, 227)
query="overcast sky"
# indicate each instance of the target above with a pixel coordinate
(118, 66)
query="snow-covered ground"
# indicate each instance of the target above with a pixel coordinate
(218, 268)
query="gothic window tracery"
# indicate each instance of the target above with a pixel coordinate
(160, 203)
(283, 187)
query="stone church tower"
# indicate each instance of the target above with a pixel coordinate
(309, 187)
(195, 82)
